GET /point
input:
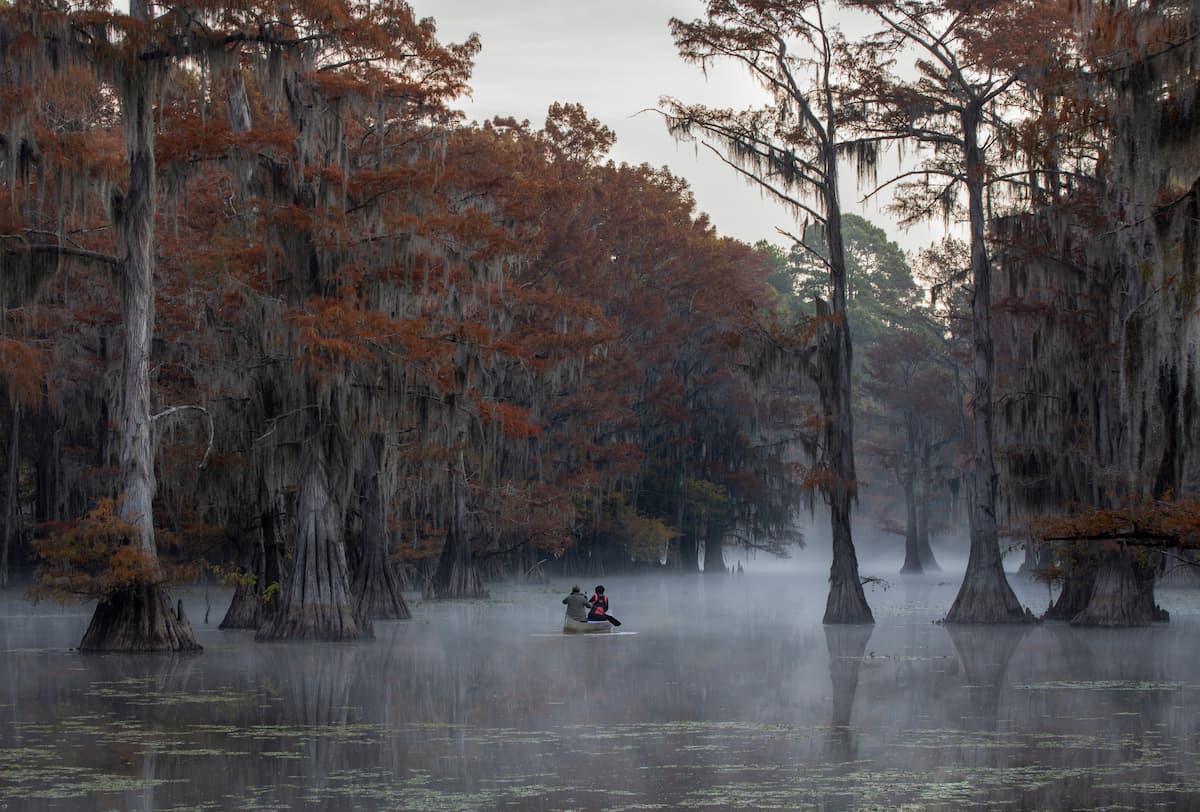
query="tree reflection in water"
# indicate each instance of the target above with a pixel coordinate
(984, 652)
(846, 646)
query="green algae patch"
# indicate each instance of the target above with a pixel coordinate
(97, 783)
(24, 764)
(342, 732)
(148, 691)
(1104, 685)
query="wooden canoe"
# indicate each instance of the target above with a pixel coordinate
(585, 626)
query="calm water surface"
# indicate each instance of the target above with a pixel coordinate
(724, 694)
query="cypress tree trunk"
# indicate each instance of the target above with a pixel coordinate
(912, 551)
(376, 588)
(245, 607)
(252, 605)
(908, 480)
(316, 602)
(102, 416)
(924, 550)
(46, 463)
(136, 221)
(138, 618)
(714, 549)
(1119, 598)
(1036, 556)
(846, 603)
(985, 595)
(12, 524)
(456, 576)
(1080, 567)
(689, 553)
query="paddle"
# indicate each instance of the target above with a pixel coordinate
(611, 620)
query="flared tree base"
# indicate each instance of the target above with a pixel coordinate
(847, 605)
(1118, 598)
(1073, 598)
(462, 582)
(316, 623)
(139, 619)
(377, 591)
(245, 609)
(986, 597)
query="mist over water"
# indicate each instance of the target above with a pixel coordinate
(719, 693)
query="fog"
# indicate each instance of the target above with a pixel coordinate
(717, 692)
(880, 554)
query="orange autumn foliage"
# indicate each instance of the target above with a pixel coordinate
(514, 421)
(92, 558)
(1162, 522)
(23, 368)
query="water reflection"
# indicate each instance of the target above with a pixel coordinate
(846, 646)
(483, 706)
(984, 653)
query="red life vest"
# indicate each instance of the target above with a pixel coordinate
(599, 604)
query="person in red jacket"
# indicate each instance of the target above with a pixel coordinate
(599, 605)
(599, 610)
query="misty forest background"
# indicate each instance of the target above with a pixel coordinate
(274, 313)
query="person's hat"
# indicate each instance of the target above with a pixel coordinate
(575, 588)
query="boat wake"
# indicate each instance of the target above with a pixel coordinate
(589, 636)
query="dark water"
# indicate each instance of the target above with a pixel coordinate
(725, 695)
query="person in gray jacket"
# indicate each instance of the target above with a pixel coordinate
(577, 605)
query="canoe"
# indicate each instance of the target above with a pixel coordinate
(585, 626)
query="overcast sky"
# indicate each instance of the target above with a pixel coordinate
(616, 58)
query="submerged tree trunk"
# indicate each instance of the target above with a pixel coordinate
(1079, 566)
(254, 604)
(685, 544)
(714, 549)
(316, 602)
(456, 575)
(912, 550)
(138, 619)
(908, 481)
(1119, 598)
(985, 595)
(689, 552)
(846, 603)
(1037, 556)
(12, 523)
(376, 589)
(924, 550)
(245, 607)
